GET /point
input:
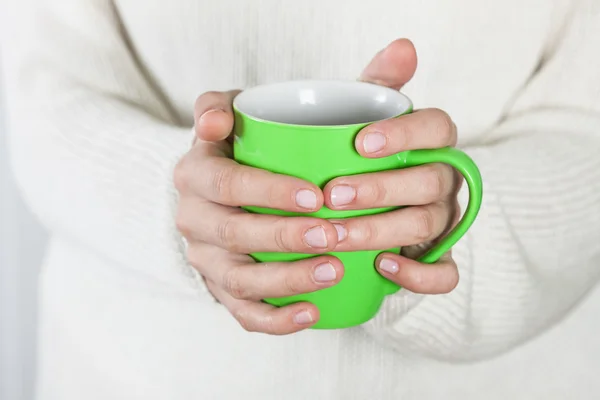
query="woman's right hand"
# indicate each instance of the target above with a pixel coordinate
(220, 235)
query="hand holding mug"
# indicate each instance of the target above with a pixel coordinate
(430, 189)
(212, 187)
(220, 234)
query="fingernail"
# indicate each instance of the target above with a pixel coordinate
(315, 237)
(342, 195)
(306, 199)
(203, 116)
(325, 273)
(341, 232)
(303, 318)
(374, 142)
(389, 266)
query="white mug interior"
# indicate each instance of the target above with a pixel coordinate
(321, 102)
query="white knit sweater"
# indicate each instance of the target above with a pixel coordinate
(100, 98)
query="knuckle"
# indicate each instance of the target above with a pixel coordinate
(283, 241)
(433, 181)
(416, 279)
(423, 224)
(244, 320)
(402, 134)
(268, 324)
(451, 278)
(458, 180)
(368, 233)
(227, 233)
(379, 192)
(231, 179)
(222, 182)
(182, 222)
(264, 324)
(212, 93)
(451, 282)
(277, 194)
(232, 284)
(292, 283)
(456, 213)
(444, 127)
(193, 257)
(206, 97)
(242, 177)
(181, 175)
(450, 181)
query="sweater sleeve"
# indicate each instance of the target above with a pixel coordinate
(534, 251)
(93, 144)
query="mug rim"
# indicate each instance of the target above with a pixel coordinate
(405, 99)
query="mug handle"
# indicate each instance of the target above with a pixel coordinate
(467, 168)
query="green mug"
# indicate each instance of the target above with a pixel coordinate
(307, 129)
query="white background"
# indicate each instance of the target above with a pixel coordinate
(22, 243)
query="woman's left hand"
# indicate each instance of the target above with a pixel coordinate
(429, 191)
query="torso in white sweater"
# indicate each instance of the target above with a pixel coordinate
(101, 97)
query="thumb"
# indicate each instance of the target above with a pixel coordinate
(213, 115)
(393, 66)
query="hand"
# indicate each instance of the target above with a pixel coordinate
(429, 190)
(220, 234)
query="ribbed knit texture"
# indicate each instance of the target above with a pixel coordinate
(100, 103)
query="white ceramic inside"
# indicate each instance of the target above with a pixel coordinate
(322, 102)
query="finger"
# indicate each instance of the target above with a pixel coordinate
(420, 185)
(256, 281)
(264, 318)
(207, 173)
(241, 232)
(416, 251)
(213, 115)
(403, 227)
(394, 66)
(440, 277)
(423, 129)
